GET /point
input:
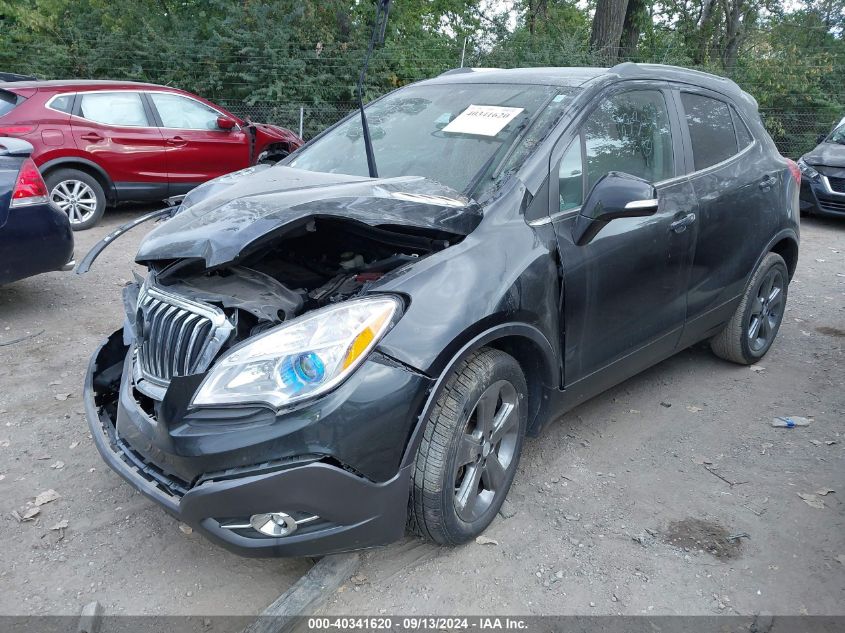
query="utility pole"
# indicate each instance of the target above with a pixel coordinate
(464, 51)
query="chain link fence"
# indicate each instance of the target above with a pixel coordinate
(307, 120)
(794, 132)
(797, 132)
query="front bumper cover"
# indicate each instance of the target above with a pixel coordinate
(819, 198)
(355, 512)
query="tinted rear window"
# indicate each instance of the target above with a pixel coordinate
(64, 103)
(8, 101)
(743, 136)
(711, 129)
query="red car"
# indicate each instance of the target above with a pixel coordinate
(102, 142)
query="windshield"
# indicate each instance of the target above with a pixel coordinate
(465, 136)
(838, 135)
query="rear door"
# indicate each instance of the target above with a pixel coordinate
(115, 130)
(198, 149)
(625, 291)
(737, 186)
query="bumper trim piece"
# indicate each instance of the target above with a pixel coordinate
(359, 513)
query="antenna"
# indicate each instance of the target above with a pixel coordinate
(379, 29)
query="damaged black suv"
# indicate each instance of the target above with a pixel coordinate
(318, 359)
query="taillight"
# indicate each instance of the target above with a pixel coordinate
(13, 130)
(794, 170)
(29, 187)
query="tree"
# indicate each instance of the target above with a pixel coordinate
(635, 17)
(608, 23)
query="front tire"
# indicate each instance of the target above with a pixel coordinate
(79, 195)
(470, 449)
(755, 324)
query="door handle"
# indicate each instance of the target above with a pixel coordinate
(176, 140)
(92, 137)
(767, 182)
(679, 226)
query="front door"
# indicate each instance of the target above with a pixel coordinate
(624, 292)
(197, 149)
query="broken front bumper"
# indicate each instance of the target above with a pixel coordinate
(352, 511)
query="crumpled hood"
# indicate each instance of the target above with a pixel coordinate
(826, 155)
(222, 218)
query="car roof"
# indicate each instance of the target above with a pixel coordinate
(579, 76)
(77, 84)
(548, 76)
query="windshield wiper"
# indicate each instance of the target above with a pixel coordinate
(379, 28)
(489, 163)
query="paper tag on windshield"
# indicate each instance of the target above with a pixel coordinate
(484, 120)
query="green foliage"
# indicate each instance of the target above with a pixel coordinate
(283, 54)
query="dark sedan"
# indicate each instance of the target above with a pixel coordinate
(323, 352)
(35, 236)
(823, 176)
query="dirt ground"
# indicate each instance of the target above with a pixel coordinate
(118, 547)
(669, 494)
(627, 505)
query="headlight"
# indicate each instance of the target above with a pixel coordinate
(299, 359)
(808, 171)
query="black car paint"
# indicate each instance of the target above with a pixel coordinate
(34, 239)
(220, 228)
(820, 197)
(579, 319)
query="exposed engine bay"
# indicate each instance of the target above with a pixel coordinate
(319, 262)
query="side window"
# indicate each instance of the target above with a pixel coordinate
(630, 132)
(114, 108)
(743, 136)
(711, 129)
(571, 177)
(182, 113)
(63, 103)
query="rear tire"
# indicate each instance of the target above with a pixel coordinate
(755, 324)
(470, 449)
(79, 195)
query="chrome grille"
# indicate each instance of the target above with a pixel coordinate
(177, 336)
(836, 184)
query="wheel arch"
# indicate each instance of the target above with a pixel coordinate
(280, 148)
(89, 167)
(531, 349)
(787, 247)
(785, 244)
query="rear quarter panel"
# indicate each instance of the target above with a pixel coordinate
(51, 137)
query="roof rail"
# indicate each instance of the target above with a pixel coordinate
(466, 69)
(455, 71)
(631, 69)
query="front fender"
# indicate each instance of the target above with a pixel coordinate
(504, 273)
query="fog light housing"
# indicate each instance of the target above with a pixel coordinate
(273, 523)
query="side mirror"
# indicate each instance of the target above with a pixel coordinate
(615, 195)
(225, 123)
